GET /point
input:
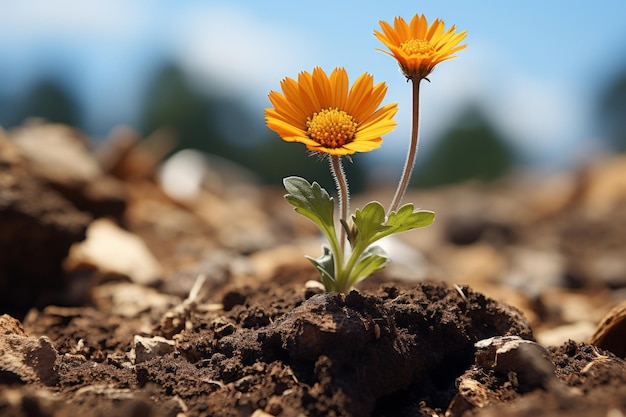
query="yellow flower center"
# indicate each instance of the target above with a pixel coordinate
(417, 47)
(331, 128)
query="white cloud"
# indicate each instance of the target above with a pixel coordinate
(540, 115)
(31, 20)
(237, 49)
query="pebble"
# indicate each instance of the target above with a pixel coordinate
(610, 333)
(24, 358)
(57, 153)
(146, 348)
(113, 250)
(529, 360)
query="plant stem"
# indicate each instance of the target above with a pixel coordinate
(339, 176)
(410, 158)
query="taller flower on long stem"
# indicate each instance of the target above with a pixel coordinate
(418, 47)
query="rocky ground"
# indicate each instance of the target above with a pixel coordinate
(127, 290)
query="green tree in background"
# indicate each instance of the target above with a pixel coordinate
(612, 110)
(472, 149)
(172, 102)
(50, 100)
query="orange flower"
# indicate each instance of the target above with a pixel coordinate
(418, 47)
(327, 116)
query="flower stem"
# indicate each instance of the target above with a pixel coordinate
(343, 193)
(410, 158)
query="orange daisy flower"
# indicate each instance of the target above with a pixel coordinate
(418, 47)
(328, 116)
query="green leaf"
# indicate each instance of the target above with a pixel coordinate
(371, 260)
(325, 264)
(370, 220)
(406, 219)
(312, 201)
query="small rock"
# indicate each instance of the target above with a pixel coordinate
(57, 153)
(609, 334)
(185, 174)
(261, 413)
(558, 335)
(131, 300)
(11, 326)
(472, 394)
(529, 360)
(112, 250)
(146, 348)
(525, 364)
(25, 359)
(128, 156)
(312, 288)
(60, 156)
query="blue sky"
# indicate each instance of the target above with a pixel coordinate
(535, 66)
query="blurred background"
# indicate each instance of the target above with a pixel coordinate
(541, 86)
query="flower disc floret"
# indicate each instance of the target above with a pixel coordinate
(417, 46)
(328, 115)
(331, 128)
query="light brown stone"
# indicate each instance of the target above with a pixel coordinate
(23, 358)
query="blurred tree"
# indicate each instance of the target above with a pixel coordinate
(173, 103)
(472, 149)
(50, 100)
(6, 111)
(613, 112)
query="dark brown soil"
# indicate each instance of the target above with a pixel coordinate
(392, 352)
(234, 327)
